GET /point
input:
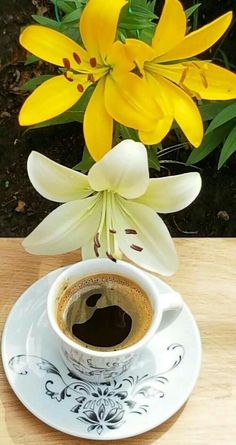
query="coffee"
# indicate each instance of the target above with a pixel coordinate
(104, 312)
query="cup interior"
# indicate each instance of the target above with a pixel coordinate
(98, 266)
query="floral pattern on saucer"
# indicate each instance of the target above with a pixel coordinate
(104, 406)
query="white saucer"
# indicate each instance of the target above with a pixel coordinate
(138, 401)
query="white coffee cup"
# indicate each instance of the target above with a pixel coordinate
(98, 366)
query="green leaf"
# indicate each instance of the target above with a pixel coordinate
(229, 147)
(136, 16)
(190, 11)
(64, 6)
(226, 115)
(150, 5)
(73, 16)
(128, 133)
(45, 21)
(31, 84)
(31, 59)
(209, 143)
(153, 161)
(64, 118)
(86, 163)
(210, 110)
(71, 31)
(146, 34)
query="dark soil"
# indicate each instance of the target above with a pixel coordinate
(212, 214)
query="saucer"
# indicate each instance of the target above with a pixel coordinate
(139, 400)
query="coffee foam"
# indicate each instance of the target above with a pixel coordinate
(116, 290)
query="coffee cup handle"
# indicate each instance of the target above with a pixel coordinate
(171, 304)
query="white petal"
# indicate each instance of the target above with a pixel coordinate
(67, 228)
(158, 252)
(172, 193)
(54, 181)
(124, 170)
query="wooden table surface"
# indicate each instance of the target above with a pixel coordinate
(207, 281)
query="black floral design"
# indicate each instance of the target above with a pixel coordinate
(103, 406)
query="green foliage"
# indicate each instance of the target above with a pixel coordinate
(153, 161)
(45, 21)
(86, 163)
(73, 16)
(31, 59)
(209, 143)
(31, 84)
(229, 147)
(209, 110)
(227, 114)
(190, 11)
(222, 130)
(136, 20)
(64, 5)
(126, 133)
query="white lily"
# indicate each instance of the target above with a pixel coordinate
(112, 210)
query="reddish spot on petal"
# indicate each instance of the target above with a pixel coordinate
(66, 63)
(80, 88)
(93, 62)
(91, 78)
(77, 58)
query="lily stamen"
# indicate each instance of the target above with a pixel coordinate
(96, 250)
(137, 248)
(67, 77)
(96, 240)
(80, 88)
(77, 58)
(112, 231)
(93, 62)
(184, 75)
(66, 63)
(109, 255)
(91, 78)
(130, 232)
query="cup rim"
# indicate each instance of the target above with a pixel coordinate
(151, 293)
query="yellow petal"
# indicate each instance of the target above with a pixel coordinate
(210, 81)
(172, 71)
(171, 27)
(120, 59)
(159, 95)
(139, 52)
(198, 41)
(201, 79)
(50, 99)
(129, 101)
(98, 125)
(157, 134)
(186, 112)
(53, 46)
(98, 25)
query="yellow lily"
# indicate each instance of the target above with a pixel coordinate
(174, 79)
(103, 62)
